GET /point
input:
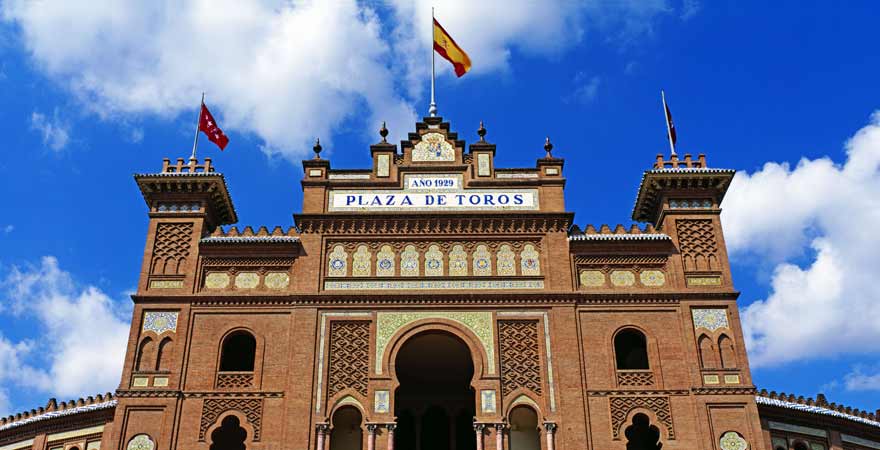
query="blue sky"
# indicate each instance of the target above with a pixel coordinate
(784, 93)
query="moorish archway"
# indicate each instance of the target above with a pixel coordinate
(434, 403)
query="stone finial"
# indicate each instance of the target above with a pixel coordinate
(317, 149)
(821, 400)
(384, 133)
(548, 147)
(482, 132)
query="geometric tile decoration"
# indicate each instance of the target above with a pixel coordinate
(487, 401)
(360, 267)
(381, 402)
(323, 336)
(385, 262)
(635, 378)
(731, 379)
(710, 318)
(217, 280)
(409, 262)
(479, 322)
(349, 366)
(140, 442)
(383, 165)
(592, 278)
(704, 281)
(166, 284)
(247, 280)
(520, 356)
(731, 440)
(505, 258)
(458, 261)
(652, 278)
(482, 263)
(697, 244)
(433, 147)
(623, 278)
(338, 260)
(433, 262)
(711, 379)
(529, 262)
(276, 280)
(140, 382)
(392, 285)
(160, 321)
(483, 164)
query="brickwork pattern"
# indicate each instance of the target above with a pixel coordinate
(520, 355)
(349, 356)
(235, 380)
(213, 408)
(634, 378)
(696, 238)
(171, 248)
(622, 406)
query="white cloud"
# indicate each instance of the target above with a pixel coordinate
(79, 334)
(857, 380)
(824, 213)
(55, 132)
(585, 88)
(289, 71)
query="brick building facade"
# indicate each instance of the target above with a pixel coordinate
(435, 301)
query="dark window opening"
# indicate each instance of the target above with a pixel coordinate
(631, 349)
(641, 435)
(238, 353)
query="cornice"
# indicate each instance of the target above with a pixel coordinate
(433, 223)
(155, 393)
(744, 390)
(638, 393)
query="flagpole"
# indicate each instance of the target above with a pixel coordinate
(198, 121)
(432, 111)
(666, 118)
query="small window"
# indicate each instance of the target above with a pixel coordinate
(238, 352)
(631, 349)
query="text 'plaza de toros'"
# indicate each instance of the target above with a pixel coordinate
(434, 301)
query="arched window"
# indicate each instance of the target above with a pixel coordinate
(728, 353)
(707, 353)
(229, 436)
(238, 352)
(801, 445)
(163, 356)
(631, 349)
(524, 432)
(145, 354)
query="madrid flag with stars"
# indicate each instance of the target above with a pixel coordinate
(210, 128)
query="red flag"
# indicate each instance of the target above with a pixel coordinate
(209, 126)
(670, 124)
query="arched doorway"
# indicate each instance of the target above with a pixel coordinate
(229, 436)
(346, 433)
(434, 402)
(641, 435)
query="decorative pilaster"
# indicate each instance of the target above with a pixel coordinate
(321, 429)
(550, 431)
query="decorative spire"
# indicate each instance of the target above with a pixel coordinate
(482, 132)
(317, 149)
(383, 132)
(548, 147)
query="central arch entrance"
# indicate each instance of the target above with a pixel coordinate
(434, 403)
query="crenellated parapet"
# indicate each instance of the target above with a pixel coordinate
(56, 409)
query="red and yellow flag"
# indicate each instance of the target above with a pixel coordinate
(447, 48)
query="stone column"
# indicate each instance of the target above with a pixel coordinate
(499, 436)
(321, 429)
(371, 436)
(550, 429)
(478, 428)
(391, 427)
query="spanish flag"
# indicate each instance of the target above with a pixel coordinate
(447, 48)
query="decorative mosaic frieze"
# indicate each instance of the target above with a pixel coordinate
(652, 278)
(160, 321)
(458, 261)
(505, 261)
(690, 203)
(360, 265)
(592, 278)
(247, 280)
(732, 440)
(349, 176)
(704, 281)
(217, 280)
(380, 285)
(515, 175)
(622, 278)
(482, 262)
(166, 284)
(337, 264)
(434, 262)
(530, 262)
(179, 207)
(433, 147)
(276, 280)
(385, 262)
(478, 322)
(409, 262)
(710, 318)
